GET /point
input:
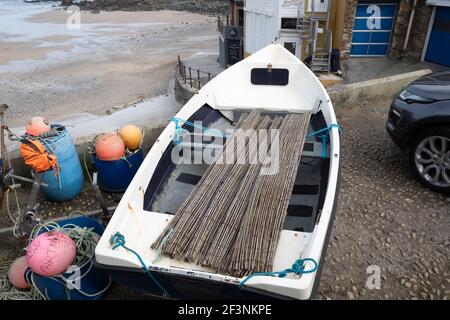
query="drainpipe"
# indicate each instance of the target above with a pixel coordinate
(408, 31)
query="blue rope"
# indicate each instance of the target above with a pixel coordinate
(118, 240)
(178, 128)
(324, 137)
(297, 268)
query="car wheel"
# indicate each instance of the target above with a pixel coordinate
(430, 158)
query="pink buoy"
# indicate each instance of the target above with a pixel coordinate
(51, 253)
(37, 126)
(16, 273)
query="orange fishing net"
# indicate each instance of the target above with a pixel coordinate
(36, 156)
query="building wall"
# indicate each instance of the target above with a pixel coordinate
(349, 20)
(419, 30)
(336, 23)
(261, 24)
(289, 8)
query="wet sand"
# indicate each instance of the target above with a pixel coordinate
(116, 59)
(12, 51)
(119, 17)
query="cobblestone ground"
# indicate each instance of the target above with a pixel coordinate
(385, 219)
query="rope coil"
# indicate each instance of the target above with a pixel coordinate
(85, 241)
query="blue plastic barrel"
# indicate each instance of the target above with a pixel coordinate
(115, 176)
(68, 183)
(93, 282)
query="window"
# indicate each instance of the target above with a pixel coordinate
(271, 77)
(291, 46)
(289, 23)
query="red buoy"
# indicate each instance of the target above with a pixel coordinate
(16, 273)
(109, 147)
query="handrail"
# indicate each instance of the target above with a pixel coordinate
(186, 74)
(314, 25)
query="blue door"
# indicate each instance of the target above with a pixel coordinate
(372, 29)
(439, 44)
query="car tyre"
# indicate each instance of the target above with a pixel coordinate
(429, 158)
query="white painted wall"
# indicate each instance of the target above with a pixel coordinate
(319, 5)
(289, 8)
(443, 3)
(261, 23)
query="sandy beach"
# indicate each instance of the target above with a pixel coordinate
(114, 60)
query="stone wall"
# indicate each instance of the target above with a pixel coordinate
(418, 31)
(182, 91)
(349, 19)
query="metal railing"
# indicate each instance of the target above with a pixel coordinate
(195, 78)
(221, 22)
(314, 26)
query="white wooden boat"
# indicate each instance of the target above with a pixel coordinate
(272, 81)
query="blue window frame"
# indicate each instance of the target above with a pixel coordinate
(372, 29)
(439, 43)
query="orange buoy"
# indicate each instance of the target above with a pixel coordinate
(16, 273)
(37, 126)
(131, 136)
(109, 147)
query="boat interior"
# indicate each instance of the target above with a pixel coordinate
(172, 183)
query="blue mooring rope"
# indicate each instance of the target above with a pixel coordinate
(118, 240)
(297, 268)
(178, 128)
(324, 137)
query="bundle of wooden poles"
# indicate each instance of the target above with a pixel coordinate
(232, 220)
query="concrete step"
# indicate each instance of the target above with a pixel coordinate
(320, 65)
(319, 70)
(314, 67)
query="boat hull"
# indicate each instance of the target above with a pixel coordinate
(187, 288)
(183, 288)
